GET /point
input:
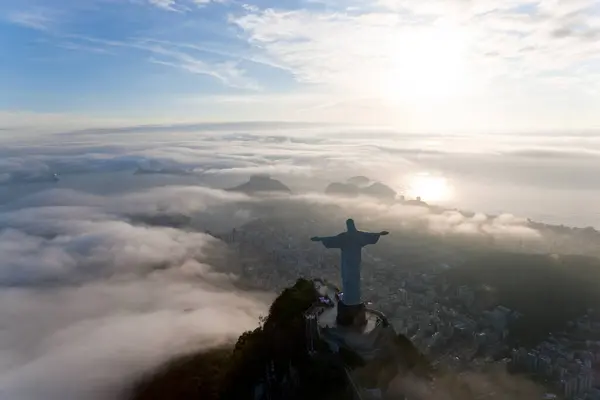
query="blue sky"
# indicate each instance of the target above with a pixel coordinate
(65, 57)
(488, 64)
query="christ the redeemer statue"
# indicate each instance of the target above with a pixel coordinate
(351, 243)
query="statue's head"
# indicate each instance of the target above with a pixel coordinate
(350, 227)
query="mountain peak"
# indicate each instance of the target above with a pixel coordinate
(279, 360)
(360, 181)
(361, 185)
(261, 183)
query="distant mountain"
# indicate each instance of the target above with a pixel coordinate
(361, 185)
(380, 191)
(261, 183)
(359, 181)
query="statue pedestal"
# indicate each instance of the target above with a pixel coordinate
(350, 315)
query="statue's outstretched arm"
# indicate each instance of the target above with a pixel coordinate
(331, 242)
(322, 238)
(372, 238)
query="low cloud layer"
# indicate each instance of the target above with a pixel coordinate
(90, 301)
(402, 216)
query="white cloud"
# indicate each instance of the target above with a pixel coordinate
(172, 54)
(502, 227)
(181, 5)
(89, 302)
(93, 340)
(202, 3)
(227, 72)
(37, 18)
(441, 55)
(374, 55)
(82, 47)
(165, 4)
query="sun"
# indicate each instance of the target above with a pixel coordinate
(425, 65)
(429, 187)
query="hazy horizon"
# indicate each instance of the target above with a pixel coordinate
(550, 179)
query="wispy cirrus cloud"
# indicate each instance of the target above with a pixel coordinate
(180, 5)
(86, 48)
(228, 72)
(39, 18)
(182, 56)
(171, 54)
(165, 4)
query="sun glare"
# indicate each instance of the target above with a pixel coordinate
(429, 188)
(425, 65)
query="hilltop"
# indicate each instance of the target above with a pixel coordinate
(261, 183)
(361, 185)
(271, 359)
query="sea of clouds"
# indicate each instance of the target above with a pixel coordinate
(90, 298)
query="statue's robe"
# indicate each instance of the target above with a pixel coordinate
(351, 244)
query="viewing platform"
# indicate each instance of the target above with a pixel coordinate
(371, 340)
(364, 339)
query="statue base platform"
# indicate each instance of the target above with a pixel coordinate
(351, 315)
(364, 331)
(351, 326)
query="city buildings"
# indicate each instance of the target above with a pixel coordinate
(446, 322)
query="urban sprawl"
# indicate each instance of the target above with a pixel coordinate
(445, 321)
